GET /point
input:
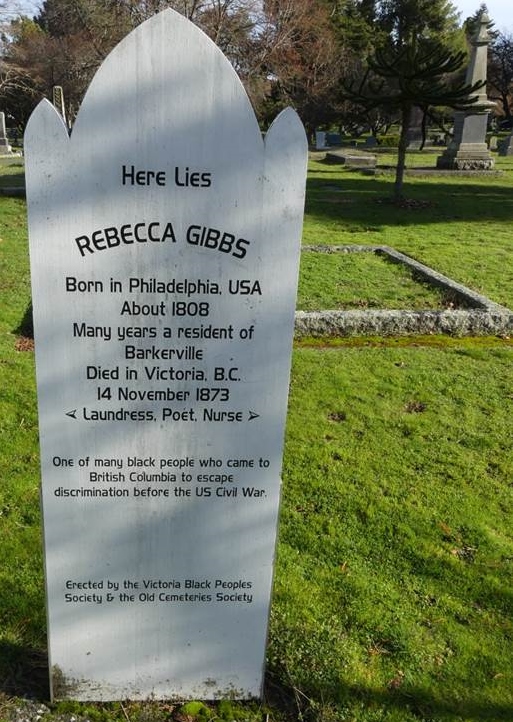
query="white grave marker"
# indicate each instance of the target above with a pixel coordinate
(164, 242)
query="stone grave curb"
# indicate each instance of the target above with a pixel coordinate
(481, 317)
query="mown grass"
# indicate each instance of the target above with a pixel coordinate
(393, 593)
(22, 616)
(361, 280)
(460, 226)
(12, 173)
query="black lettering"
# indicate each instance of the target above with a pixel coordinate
(177, 178)
(155, 239)
(84, 244)
(212, 237)
(168, 233)
(128, 175)
(127, 233)
(193, 235)
(136, 232)
(226, 243)
(112, 237)
(99, 240)
(240, 251)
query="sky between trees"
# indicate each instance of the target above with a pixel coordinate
(500, 11)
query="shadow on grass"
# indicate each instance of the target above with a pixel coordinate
(296, 704)
(23, 671)
(26, 327)
(363, 200)
(12, 183)
(426, 705)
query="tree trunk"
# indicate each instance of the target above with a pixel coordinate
(401, 155)
(505, 106)
(424, 128)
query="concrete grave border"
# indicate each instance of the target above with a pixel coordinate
(480, 317)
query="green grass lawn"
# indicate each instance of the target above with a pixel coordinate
(393, 595)
(361, 281)
(11, 173)
(394, 577)
(461, 226)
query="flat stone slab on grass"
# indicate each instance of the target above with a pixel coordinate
(351, 158)
(481, 317)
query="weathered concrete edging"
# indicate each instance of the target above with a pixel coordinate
(481, 317)
(401, 323)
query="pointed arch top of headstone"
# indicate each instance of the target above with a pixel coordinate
(136, 93)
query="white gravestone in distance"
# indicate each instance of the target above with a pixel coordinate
(5, 148)
(164, 243)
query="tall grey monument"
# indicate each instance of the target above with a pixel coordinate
(468, 149)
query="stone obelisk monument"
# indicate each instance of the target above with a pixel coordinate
(468, 149)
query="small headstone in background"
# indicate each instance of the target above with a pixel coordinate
(320, 139)
(5, 148)
(58, 100)
(505, 146)
(370, 142)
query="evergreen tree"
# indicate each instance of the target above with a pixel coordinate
(405, 21)
(400, 78)
(354, 24)
(418, 51)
